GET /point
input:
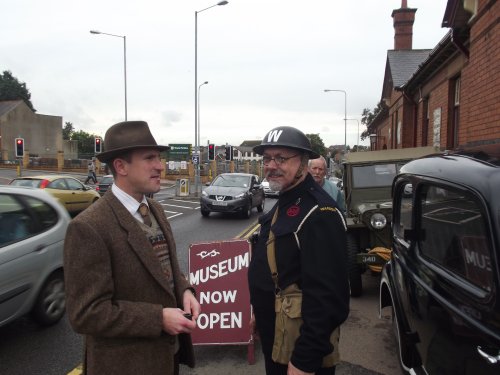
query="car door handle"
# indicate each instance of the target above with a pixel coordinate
(39, 248)
(490, 358)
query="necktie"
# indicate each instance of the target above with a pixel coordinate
(144, 211)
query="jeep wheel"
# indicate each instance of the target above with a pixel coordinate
(355, 282)
(50, 305)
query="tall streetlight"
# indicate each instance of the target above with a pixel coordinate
(196, 136)
(345, 115)
(355, 119)
(198, 121)
(124, 61)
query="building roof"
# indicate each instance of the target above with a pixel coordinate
(250, 143)
(8, 105)
(403, 63)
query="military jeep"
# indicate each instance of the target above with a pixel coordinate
(367, 181)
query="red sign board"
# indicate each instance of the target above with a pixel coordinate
(218, 272)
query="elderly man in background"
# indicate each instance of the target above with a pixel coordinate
(317, 168)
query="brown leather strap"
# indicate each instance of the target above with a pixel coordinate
(271, 254)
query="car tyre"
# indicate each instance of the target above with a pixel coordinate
(50, 304)
(205, 213)
(247, 211)
(260, 207)
(355, 281)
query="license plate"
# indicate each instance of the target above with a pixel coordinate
(373, 259)
(219, 203)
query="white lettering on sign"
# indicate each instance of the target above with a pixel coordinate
(225, 320)
(217, 297)
(478, 260)
(219, 269)
(274, 135)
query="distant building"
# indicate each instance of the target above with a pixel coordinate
(245, 151)
(42, 133)
(446, 97)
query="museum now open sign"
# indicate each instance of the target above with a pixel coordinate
(218, 272)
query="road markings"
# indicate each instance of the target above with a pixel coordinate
(248, 231)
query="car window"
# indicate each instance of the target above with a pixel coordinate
(15, 221)
(375, 175)
(455, 234)
(46, 215)
(57, 184)
(403, 211)
(231, 181)
(73, 184)
(107, 180)
(26, 182)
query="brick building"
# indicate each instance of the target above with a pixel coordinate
(445, 97)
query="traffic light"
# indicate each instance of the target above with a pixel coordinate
(211, 151)
(229, 152)
(97, 145)
(19, 147)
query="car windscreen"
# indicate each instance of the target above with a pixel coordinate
(375, 175)
(107, 180)
(232, 181)
(27, 182)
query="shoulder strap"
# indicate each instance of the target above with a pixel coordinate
(271, 254)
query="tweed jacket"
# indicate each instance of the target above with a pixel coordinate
(116, 290)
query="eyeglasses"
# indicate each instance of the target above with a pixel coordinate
(277, 159)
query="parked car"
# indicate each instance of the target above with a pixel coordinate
(104, 184)
(233, 192)
(443, 279)
(33, 226)
(73, 195)
(267, 190)
(367, 181)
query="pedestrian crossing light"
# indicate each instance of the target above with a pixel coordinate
(229, 153)
(211, 151)
(97, 145)
(19, 147)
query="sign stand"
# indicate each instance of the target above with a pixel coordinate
(218, 272)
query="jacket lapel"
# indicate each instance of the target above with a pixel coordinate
(138, 241)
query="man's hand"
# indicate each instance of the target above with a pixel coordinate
(191, 304)
(174, 322)
(292, 370)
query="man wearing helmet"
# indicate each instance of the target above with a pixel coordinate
(308, 233)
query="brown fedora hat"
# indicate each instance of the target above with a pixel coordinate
(126, 136)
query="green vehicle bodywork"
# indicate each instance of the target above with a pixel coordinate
(367, 183)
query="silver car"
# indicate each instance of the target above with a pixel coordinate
(32, 230)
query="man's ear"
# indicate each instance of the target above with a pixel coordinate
(121, 166)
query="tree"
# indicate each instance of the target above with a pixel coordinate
(317, 144)
(68, 131)
(12, 89)
(85, 144)
(367, 117)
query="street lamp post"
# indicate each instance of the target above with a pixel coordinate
(355, 119)
(196, 135)
(199, 132)
(124, 61)
(345, 115)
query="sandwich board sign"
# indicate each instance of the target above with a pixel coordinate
(218, 272)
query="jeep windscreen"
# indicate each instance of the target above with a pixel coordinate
(374, 175)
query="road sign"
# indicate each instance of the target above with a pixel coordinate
(179, 149)
(196, 159)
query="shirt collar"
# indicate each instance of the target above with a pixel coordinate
(127, 200)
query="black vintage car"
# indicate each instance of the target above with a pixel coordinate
(442, 283)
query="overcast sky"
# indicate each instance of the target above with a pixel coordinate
(267, 62)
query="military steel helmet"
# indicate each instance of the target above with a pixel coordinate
(286, 136)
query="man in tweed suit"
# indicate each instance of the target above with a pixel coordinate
(124, 290)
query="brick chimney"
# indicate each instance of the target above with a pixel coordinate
(403, 26)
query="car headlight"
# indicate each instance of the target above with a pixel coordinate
(240, 195)
(204, 193)
(378, 221)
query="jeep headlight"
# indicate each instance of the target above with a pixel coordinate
(378, 221)
(204, 193)
(242, 195)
